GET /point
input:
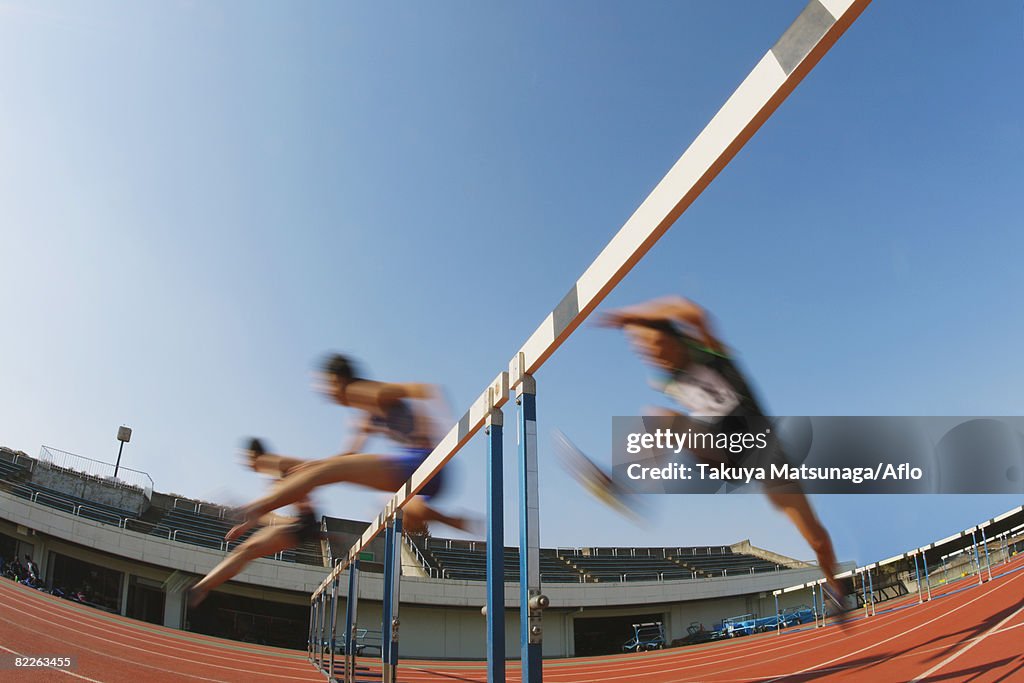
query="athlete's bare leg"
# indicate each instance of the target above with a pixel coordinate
(417, 512)
(789, 498)
(373, 471)
(266, 541)
(796, 506)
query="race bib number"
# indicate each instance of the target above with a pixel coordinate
(703, 392)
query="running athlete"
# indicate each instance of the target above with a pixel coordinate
(280, 533)
(387, 410)
(696, 372)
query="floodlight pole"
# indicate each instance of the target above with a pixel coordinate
(124, 435)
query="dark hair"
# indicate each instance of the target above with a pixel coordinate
(341, 367)
(660, 324)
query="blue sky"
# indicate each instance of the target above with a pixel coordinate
(197, 200)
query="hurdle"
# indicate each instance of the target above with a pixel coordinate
(917, 578)
(977, 559)
(988, 558)
(389, 611)
(816, 611)
(333, 641)
(773, 78)
(868, 588)
(927, 576)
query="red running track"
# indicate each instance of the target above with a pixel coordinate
(966, 632)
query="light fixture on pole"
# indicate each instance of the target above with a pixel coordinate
(124, 435)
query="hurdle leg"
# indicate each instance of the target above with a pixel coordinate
(814, 605)
(389, 618)
(871, 586)
(988, 559)
(864, 590)
(321, 637)
(495, 550)
(927, 579)
(977, 560)
(530, 598)
(333, 642)
(917, 577)
(350, 622)
(824, 604)
(385, 619)
(396, 593)
(870, 589)
(313, 616)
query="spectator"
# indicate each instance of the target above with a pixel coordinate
(31, 568)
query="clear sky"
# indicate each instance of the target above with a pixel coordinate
(198, 200)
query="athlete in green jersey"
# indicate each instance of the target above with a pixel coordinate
(674, 335)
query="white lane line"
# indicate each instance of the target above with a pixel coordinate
(899, 635)
(967, 647)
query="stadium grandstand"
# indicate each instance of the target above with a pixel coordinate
(120, 549)
(132, 550)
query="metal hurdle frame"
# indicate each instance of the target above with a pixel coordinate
(977, 559)
(351, 622)
(984, 543)
(917, 578)
(495, 548)
(333, 642)
(389, 611)
(775, 76)
(869, 609)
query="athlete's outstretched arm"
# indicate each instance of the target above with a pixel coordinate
(671, 308)
(396, 391)
(375, 397)
(359, 436)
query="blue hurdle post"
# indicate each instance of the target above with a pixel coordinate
(531, 601)
(333, 644)
(312, 629)
(917, 576)
(821, 599)
(389, 610)
(871, 587)
(350, 621)
(977, 560)
(385, 619)
(814, 605)
(321, 631)
(988, 560)
(864, 590)
(396, 593)
(927, 580)
(495, 549)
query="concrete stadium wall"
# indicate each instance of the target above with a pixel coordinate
(132, 500)
(440, 617)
